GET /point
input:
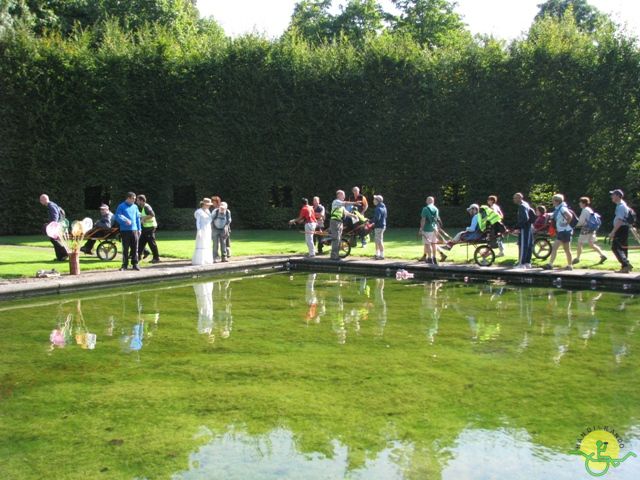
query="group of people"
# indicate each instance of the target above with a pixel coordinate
(213, 223)
(344, 214)
(137, 224)
(561, 223)
(135, 219)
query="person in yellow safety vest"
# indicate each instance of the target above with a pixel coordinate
(149, 227)
(490, 221)
(487, 218)
(335, 227)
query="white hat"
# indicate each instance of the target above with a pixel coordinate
(472, 206)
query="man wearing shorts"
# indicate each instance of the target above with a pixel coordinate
(429, 231)
(562, 218)
(587, 237)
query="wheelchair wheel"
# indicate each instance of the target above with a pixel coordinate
(542, 248)
(345, 248)
(484, 256)
(107, 251)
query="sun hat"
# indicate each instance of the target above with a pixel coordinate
(472, 206)
(205, 201)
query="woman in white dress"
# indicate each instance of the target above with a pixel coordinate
(203, 254)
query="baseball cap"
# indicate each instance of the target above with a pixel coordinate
(617, 191)
(472, 206)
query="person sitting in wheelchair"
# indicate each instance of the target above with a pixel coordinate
(102, 226)
(542, 224)
(471, 233)
(485, 222)
(359, 223)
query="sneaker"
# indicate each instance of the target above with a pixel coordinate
(575, 261)
(434, 262)
(547, 266)
(123, 268)
(568, 267)
(429, 261)
(225, 259)
(145, 254)
(625, 269)
(527, 266)
(443, 257)
(602, 260)
(500, 254)
(423, 258)
(155, 260)
(135, 267)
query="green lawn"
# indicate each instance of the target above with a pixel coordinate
(22, 256)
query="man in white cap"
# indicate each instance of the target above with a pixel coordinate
(472, 232)
(619, 236)
(104, 223)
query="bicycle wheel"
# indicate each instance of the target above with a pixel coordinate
(345, 248)
(484, 256)
(541, 248)
(107, 251)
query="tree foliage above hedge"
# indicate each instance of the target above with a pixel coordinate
(262, 123)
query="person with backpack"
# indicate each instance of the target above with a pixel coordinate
(619, 236)
(564, 220)
(56, 214)
(589, 222)
(524, 221)
(221, 220)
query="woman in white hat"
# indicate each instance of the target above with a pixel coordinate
(203, 254)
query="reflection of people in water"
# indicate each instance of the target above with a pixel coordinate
(431, 309)
(561, 333)
(380, 307)
(311, 299)
(73, 323)
(222, 317)
(204, 300)
(586, 319)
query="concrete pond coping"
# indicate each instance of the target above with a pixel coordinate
(176, 270)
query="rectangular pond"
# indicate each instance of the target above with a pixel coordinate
(320, 376)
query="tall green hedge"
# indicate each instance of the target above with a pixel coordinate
(248, 117)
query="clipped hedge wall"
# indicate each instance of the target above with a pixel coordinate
(249, 117)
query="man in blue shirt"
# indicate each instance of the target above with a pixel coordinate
(619, 236)
(128, 217)
(380, 225)
(55, 215)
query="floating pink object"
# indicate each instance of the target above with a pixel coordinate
(403, 275)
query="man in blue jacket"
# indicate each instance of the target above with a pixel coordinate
(128, 217)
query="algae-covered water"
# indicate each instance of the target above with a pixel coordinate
(321, 376)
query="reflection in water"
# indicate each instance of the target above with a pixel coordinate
(475, 454)
(71, 325)
(275, 455)
(214, 309)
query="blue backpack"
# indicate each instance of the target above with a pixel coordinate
(594, 222)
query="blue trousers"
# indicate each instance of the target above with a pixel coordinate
(525, 245)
